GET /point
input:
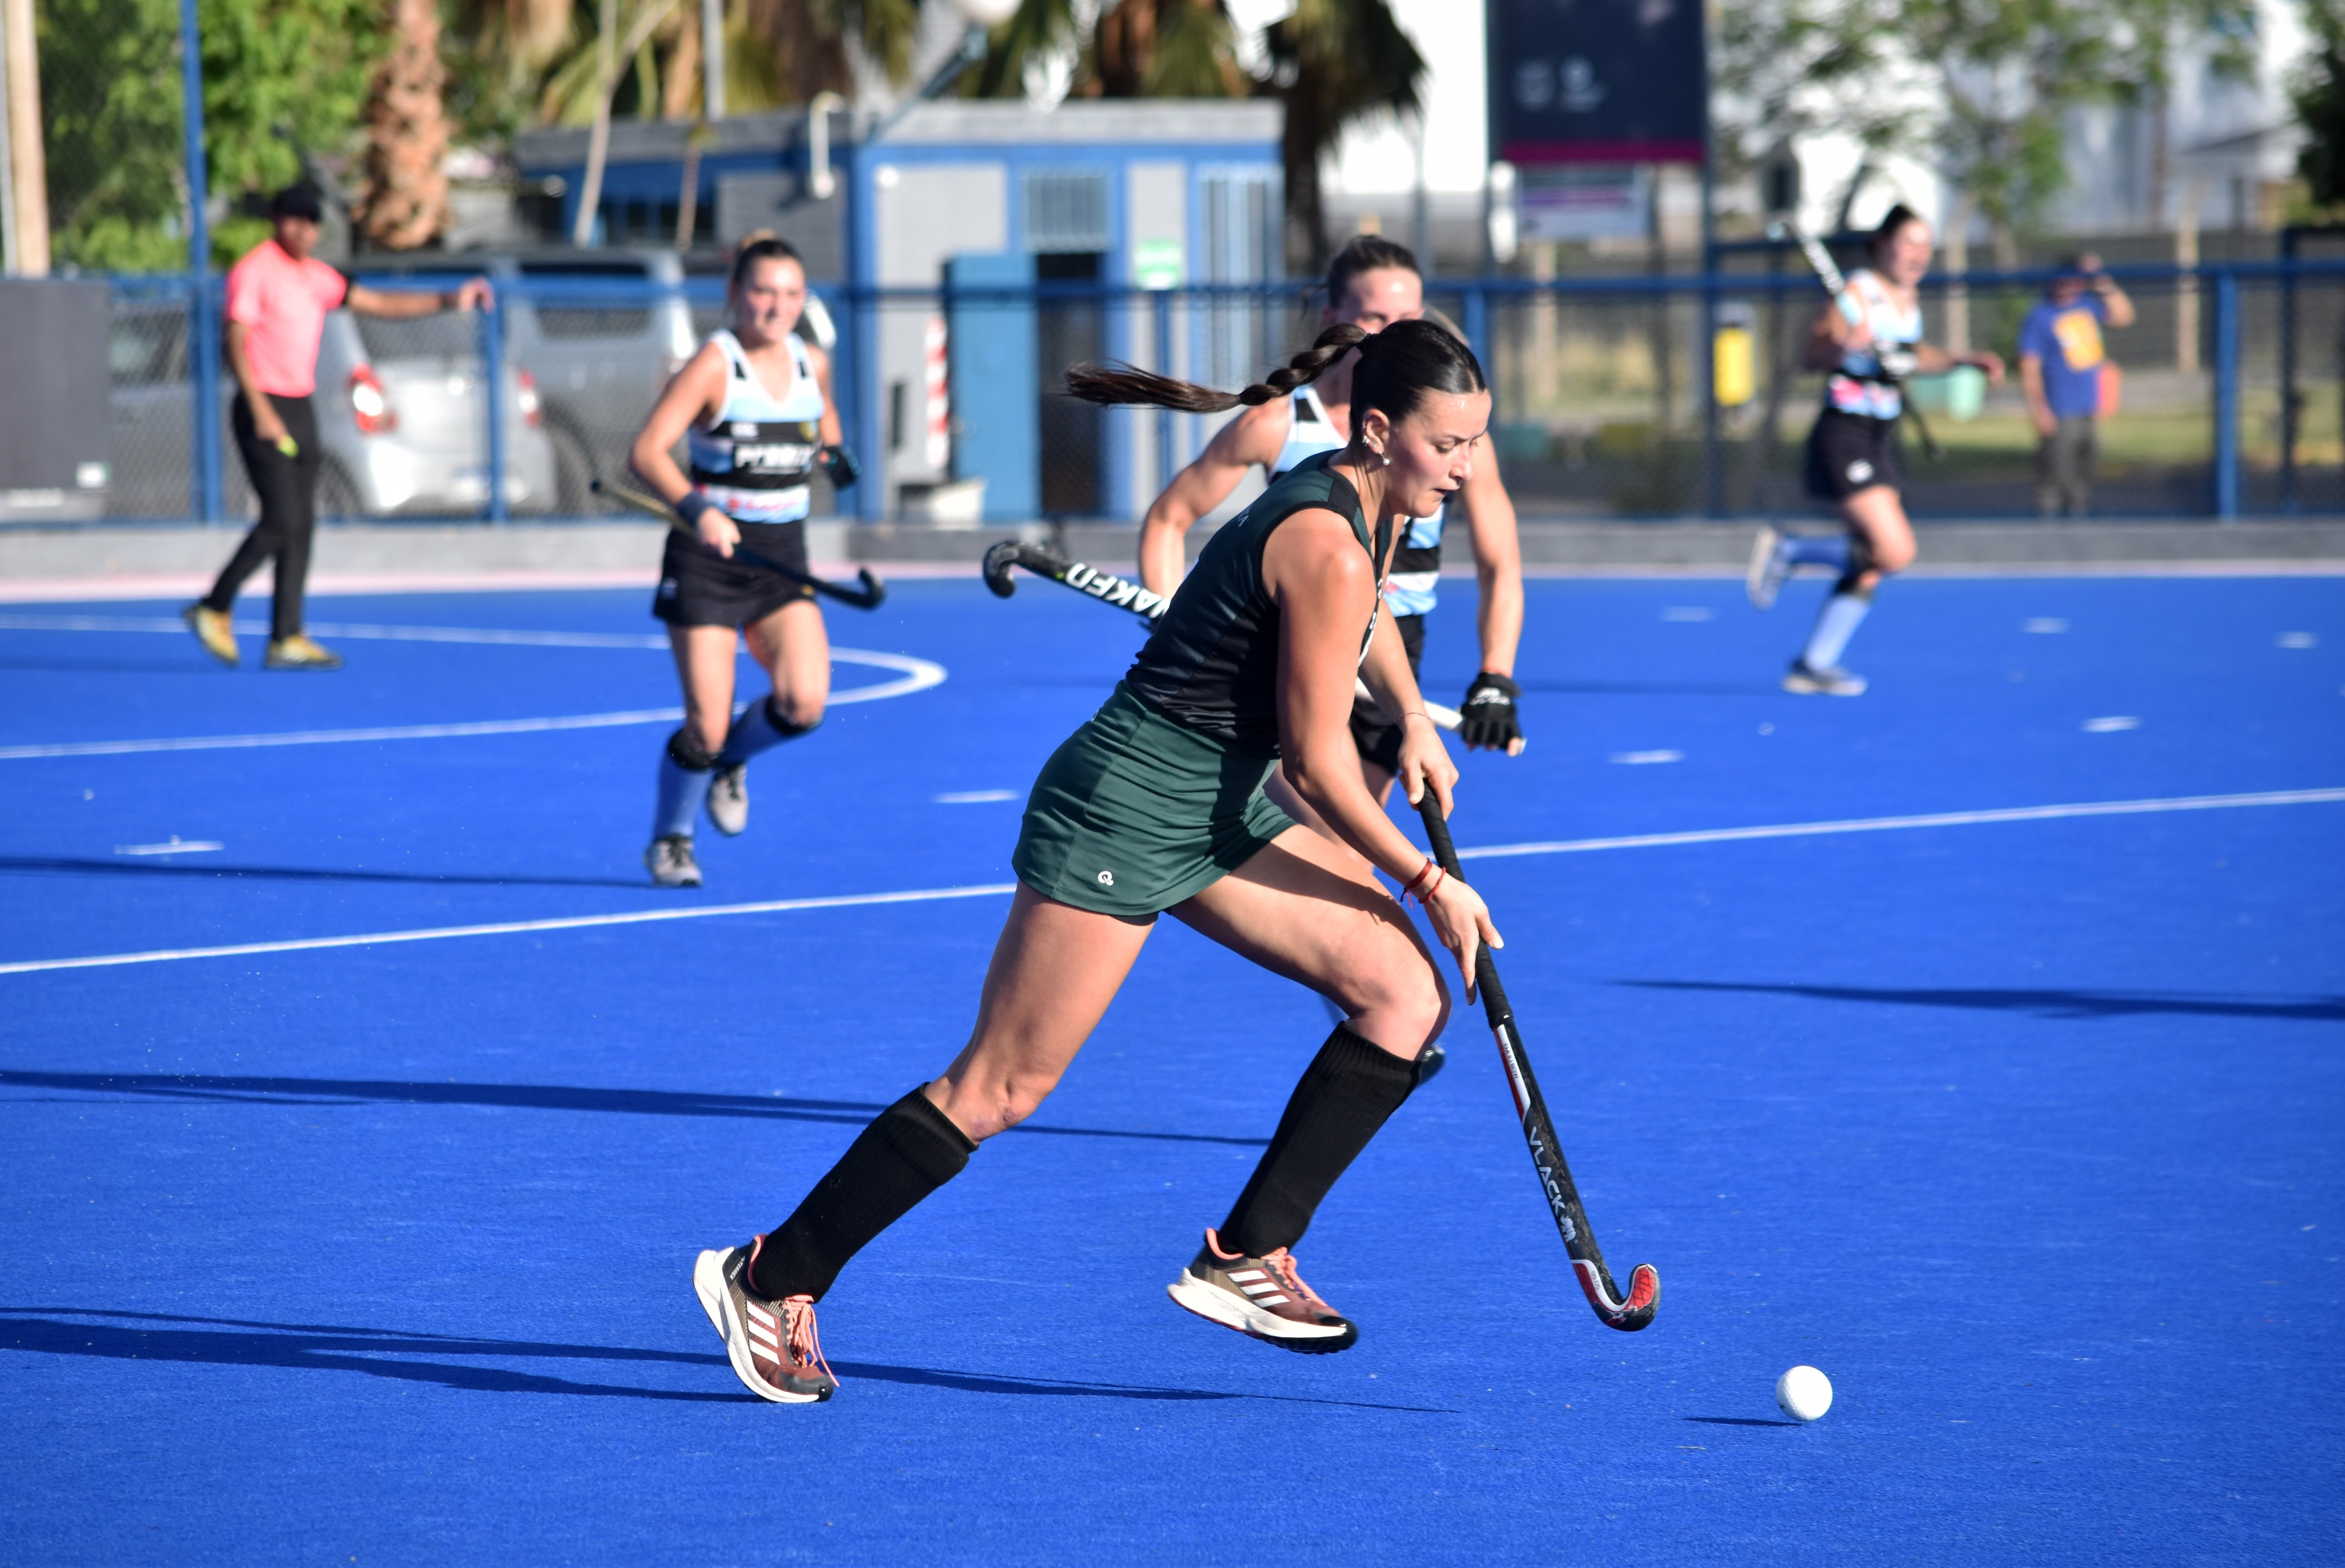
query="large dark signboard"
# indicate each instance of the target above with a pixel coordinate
(1597, 81)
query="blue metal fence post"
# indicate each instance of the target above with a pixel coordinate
(1164, 417)
(2226, 396)
(492, 368)
(204, 352)
(1477, 326)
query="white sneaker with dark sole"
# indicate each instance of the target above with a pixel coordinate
(772, 1344)
(1805, 680)
(1770, 565)
(670, 862)
(1262, 1297)
(728, 799)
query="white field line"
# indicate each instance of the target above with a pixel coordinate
(1893, 824)
(918, 674)
(509, 928)
(1639, 842)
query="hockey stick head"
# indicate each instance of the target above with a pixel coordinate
(998, 560)
(874, 593)
(1637, 1311)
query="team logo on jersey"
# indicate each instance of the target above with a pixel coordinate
(1107, 879)
(1859, 472)
(745, 429)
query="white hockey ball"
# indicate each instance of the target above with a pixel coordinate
(1804, 1393)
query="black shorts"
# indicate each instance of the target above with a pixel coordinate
(701, 588)
(1851, 452)
(1377, 737)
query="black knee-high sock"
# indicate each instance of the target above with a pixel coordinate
(1346, 1093)
(909, 1151)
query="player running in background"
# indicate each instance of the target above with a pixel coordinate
(1870, 338)
(754, 406)
(1371, 284)
(1156, 804)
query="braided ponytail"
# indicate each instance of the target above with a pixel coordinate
(1122, 383)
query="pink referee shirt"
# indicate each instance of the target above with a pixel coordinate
(283, 303)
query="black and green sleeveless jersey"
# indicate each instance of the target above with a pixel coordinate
(1212, 665)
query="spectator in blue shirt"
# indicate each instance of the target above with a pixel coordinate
(2061, 364)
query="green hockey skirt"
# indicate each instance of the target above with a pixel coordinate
(1135, 813)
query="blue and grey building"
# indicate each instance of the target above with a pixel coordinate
(983, 228)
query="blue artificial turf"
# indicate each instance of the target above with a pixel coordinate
(2026, 1134)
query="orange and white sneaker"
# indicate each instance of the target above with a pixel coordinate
(1262, 1297)
(772, 1343)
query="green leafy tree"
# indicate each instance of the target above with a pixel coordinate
(1979, 87)
(283, 79)
(2319, 95)
(110, 111)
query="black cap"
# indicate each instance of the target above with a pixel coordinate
(298, 201)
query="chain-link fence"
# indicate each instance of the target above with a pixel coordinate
(2228, 396)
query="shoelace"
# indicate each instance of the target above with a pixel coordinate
(1281, 1263)
(806, 1348)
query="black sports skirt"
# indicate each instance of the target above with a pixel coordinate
(1852, 452)
(699, 587)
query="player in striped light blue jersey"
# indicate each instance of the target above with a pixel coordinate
(1372, 283)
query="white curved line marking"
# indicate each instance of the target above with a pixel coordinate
(918, 674)
(1645, 840)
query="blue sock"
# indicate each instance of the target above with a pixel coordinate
(684, 771)
(1842, 614)
(681, 792)
(758, 729)
(1830, 550)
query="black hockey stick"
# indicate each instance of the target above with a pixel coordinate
(870, 596)
(1828, 273)
(1105, 586)
(1538, 1129)
(1110, 589)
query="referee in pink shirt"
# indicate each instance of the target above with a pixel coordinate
(278, 296)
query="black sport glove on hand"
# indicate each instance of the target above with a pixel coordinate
(1489, 720)
(844, 470)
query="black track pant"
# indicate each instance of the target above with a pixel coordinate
(287, 489)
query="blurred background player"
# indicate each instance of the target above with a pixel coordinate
(1371, 284)
(754, 407)
(2065, 374)
(278, 296)
(1870, 338)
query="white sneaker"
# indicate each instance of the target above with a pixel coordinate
(670, 862)
(1807, 681)
(1770, 565)
(728, 799)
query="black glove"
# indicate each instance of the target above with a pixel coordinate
(844, 470)
(1489, 721)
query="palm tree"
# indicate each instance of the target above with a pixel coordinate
(405, 200)
(1333, 63)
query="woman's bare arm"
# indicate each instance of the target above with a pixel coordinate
(831, 435)
(1253, 436)
(1320, 577)
(692, 394)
